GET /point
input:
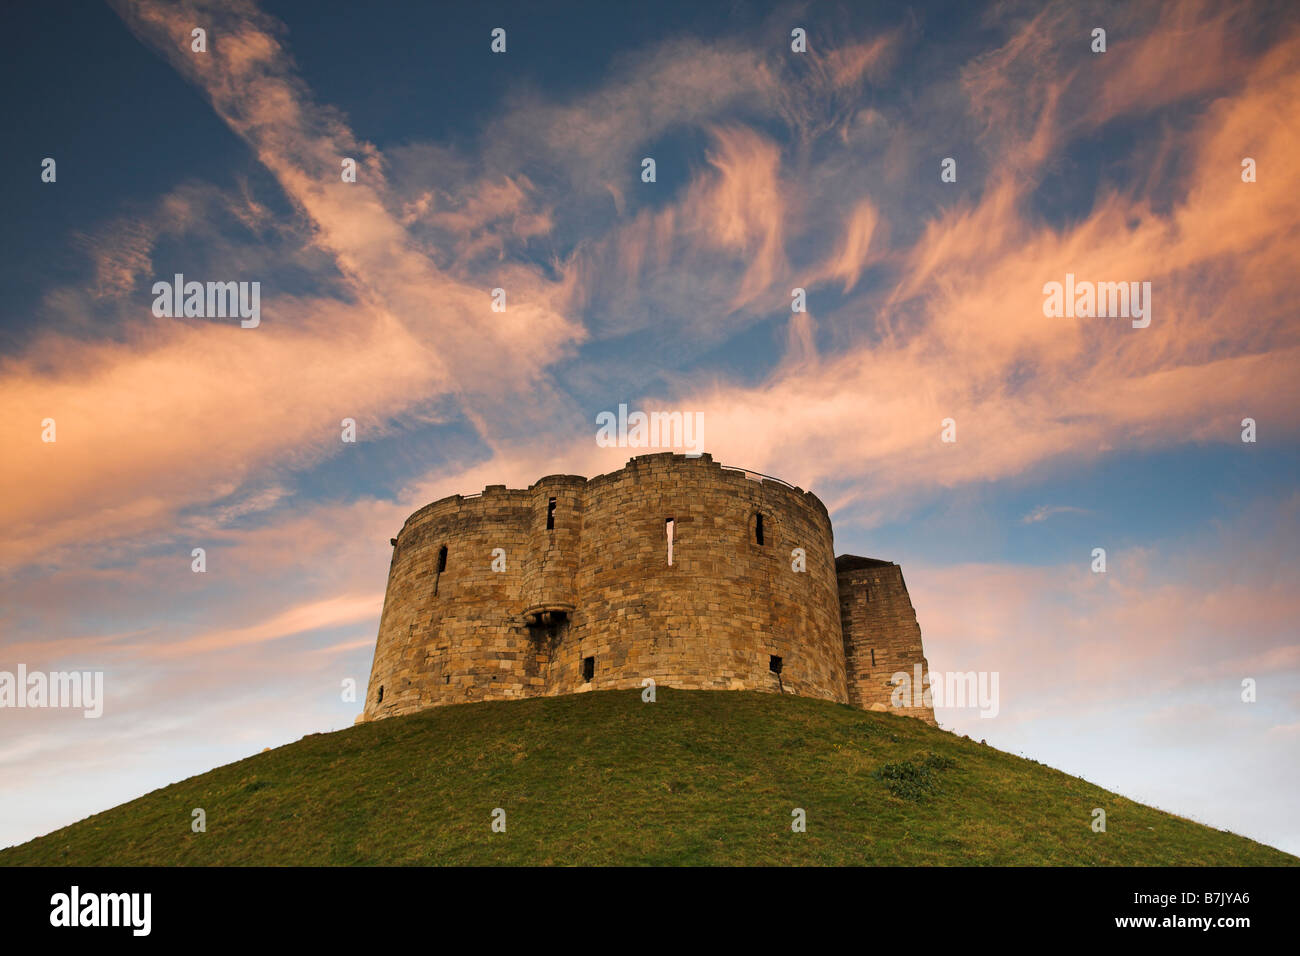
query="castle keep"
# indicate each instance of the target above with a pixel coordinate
(674, 568)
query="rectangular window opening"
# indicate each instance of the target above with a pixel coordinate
(588, 668)
(550, 515)
(774, 664)
(758, 529)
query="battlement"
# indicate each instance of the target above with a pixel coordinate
(674, 568)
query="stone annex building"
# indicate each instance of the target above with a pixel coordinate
(674, 568)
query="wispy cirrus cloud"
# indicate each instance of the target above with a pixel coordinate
(1043, 512)
(952, 331)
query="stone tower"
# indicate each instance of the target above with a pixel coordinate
(673, 568)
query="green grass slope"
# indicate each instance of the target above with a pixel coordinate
(697, 777)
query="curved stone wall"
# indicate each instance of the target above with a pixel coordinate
(591, 602)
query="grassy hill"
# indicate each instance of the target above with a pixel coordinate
(695, 778)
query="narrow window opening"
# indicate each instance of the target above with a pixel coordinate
(446, 678)
(588, 669)
(774, 664)
(758, 529)
(550, 515)
(381, 694)
(669, 526)
(442, 559)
